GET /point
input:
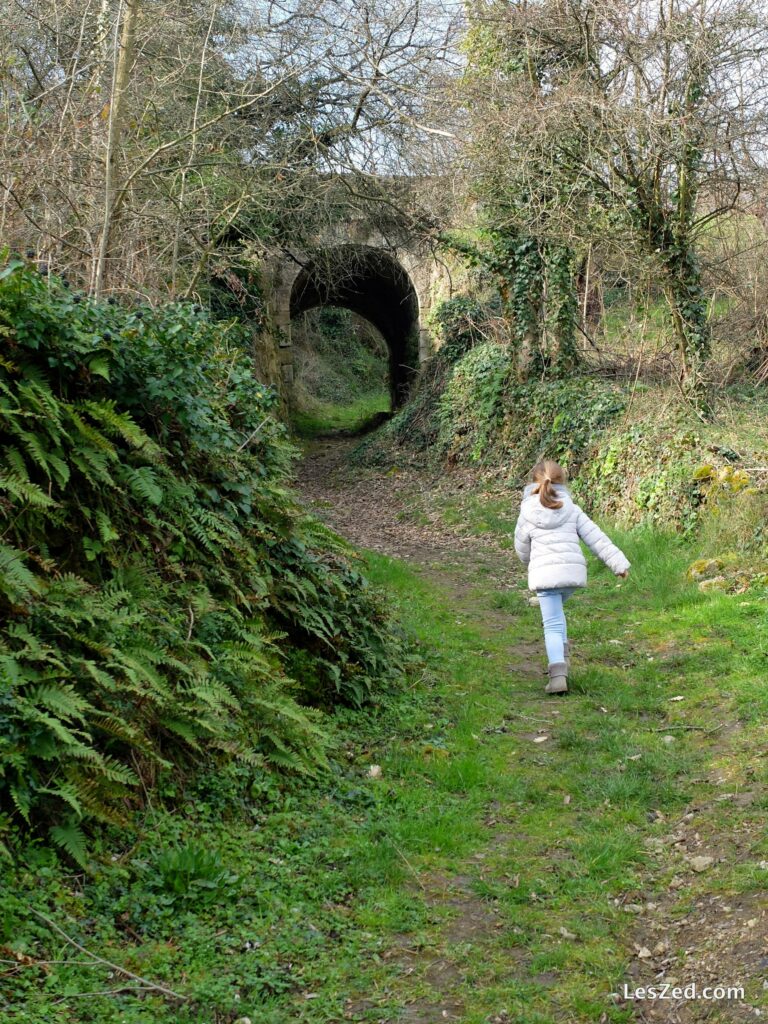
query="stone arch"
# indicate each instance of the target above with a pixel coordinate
(373, 283)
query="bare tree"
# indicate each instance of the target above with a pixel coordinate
(642, 119)
(144, 139)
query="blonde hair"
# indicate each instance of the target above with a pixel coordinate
(545, 474)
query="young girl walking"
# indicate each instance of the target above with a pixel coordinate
(547, 538)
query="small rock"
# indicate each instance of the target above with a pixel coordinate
(667, 739)
(644, 953)
(716, 583)
(243, 1020)
(566, 934)
(701, 863)
(704, 568)
(661, 947)
(541, 739)
(374, 771)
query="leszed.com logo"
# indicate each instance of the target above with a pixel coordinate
(680, 992)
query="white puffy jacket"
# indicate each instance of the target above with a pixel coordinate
(547, 541)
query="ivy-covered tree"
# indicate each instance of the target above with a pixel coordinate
(635, 122)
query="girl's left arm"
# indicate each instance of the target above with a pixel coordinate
(601, 545)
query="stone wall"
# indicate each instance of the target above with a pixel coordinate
(430, 280)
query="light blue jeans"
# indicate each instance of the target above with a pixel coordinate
(553, 619)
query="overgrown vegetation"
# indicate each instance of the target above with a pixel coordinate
(164, 604)
(635, 453)
(350, 888)
(597, 129)
(342, 372)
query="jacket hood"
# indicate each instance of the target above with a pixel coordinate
(546, 518)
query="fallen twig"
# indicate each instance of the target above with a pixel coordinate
(253, 434)
(133, 989)
(407, 863)
(690, 728)
(108, 963)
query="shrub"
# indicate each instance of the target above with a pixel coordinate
(190, 875)
(458, 325)
(156, 579)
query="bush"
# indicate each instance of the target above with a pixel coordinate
(458, 326)
(156, 579)
(487, 415)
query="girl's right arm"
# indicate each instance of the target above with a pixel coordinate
(523, 541)
(601, 545)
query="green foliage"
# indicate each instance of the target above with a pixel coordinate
(325, 896)
(156, 580)
(341, 360)
(458, 326)
(478, 410)
(191, 875)
(471, 408)
(562, 303)
(645, 474)
(486, 414)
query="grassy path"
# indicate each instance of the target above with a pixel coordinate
(534, 856)
(479, 852)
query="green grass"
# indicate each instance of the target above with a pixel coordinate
(335, 874)
(326, 417)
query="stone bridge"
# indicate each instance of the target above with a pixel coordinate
(393, 285)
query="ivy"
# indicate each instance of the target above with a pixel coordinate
(458, 326)
(537, 286)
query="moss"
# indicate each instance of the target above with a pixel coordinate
(715, 583)
(705, 568)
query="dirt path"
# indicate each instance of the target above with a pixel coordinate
(715, 936)
(384, 510)
(390, 512)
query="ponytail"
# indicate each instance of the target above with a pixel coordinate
(545, 475)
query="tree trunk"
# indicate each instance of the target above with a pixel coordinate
(120, 83)
(688, 306)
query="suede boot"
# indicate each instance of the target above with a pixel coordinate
(558, 678)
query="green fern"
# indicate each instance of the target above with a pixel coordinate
(71, 839)
(17, 582)
(157, 583)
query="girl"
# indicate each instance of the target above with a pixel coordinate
(547, 541)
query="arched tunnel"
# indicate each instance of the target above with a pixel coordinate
(372, 283)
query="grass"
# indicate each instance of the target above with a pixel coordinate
(326, 418)
(340, 898)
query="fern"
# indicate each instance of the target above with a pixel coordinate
(24, 492)
(161, 597)
(142, 483)
(121, 424)
(70, 838)
(16, 580)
